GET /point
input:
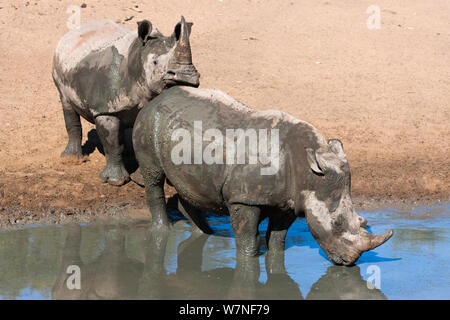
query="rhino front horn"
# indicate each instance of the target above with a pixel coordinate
(183, 50)
(371, 241)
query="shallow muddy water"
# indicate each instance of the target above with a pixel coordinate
(124, 260)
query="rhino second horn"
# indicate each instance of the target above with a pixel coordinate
(183, 53)
(371, 241)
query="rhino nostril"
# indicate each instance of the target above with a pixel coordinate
(170, 72)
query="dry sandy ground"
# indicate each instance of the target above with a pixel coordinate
(385, 93)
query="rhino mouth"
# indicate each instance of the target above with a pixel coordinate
(346, 260)
(187, 75)
(177, 82)
(347, 255)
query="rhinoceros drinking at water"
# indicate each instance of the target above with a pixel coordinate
(196, 139)
(105, 73)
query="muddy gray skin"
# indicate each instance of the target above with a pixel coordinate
(105, 73)
(312, 180)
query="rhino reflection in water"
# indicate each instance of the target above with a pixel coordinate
(113, 275)
(312, 177)
(343, 284)
(106, 72)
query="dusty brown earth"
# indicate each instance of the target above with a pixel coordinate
(385, 93)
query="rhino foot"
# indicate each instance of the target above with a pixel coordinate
(72, 158)
(115, 175)
(138, 178)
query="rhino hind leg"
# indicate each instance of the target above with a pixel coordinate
(154, 191)
(72, 152)
(277, 230)
(195, 216)
(244, 221)
(111, 136)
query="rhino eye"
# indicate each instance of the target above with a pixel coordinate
(155, 62)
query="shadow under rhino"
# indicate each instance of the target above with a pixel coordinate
(93, 143)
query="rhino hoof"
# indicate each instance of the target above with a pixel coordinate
(115, 176)
(70, 158)
(119, 182)
(138, 178)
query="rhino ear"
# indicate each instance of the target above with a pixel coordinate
(312, 161)
(337, 148)
(144, 29)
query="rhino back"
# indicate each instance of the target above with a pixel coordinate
(198, 184)
(88, 67)
(219, 184)
(92, 36)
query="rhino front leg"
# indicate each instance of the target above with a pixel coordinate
(72, 152)
(245, 220)
(111, 136)
(279, 224)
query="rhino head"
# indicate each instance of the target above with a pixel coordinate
(163, 61)
(331, 217)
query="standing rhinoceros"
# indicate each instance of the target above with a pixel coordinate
(106, 73)
(179, 136)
